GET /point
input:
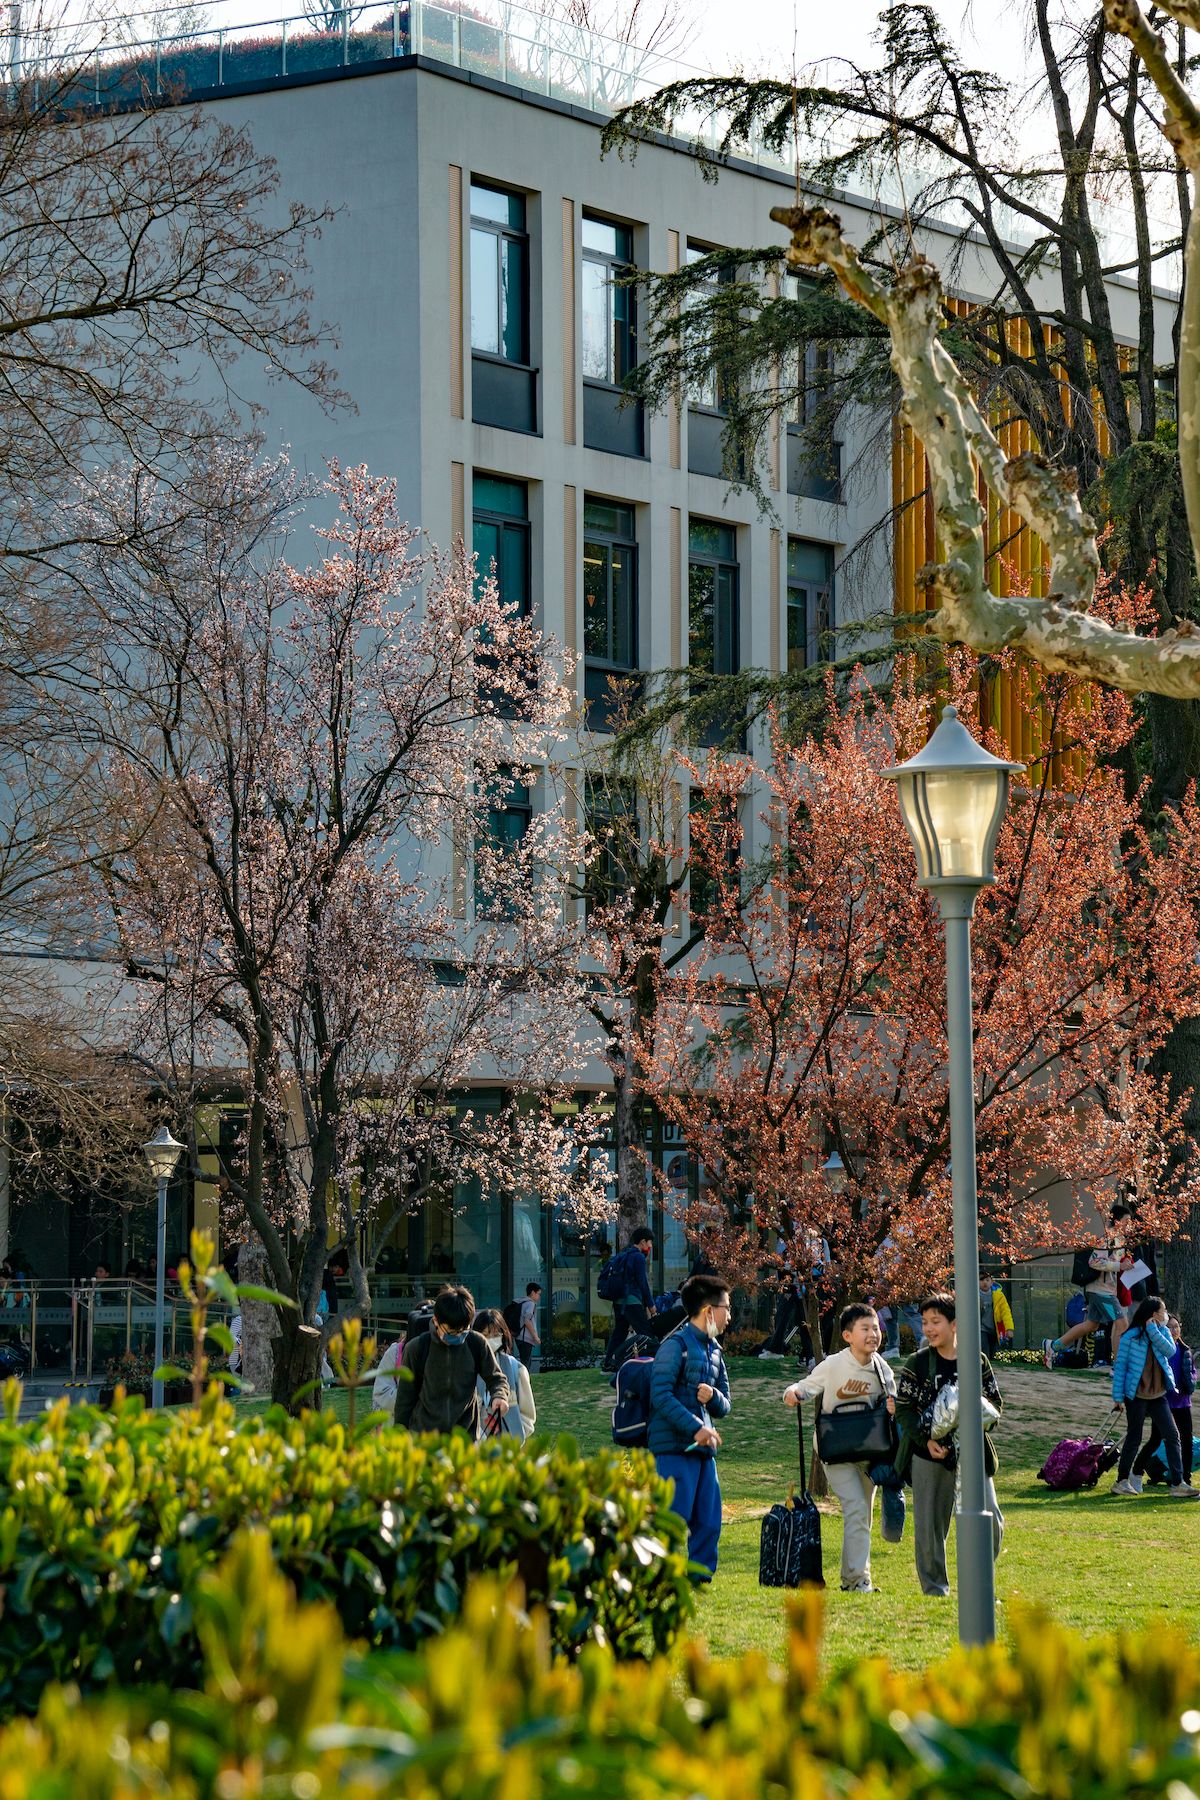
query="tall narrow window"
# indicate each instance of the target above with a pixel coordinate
(499, 274)
(504, 385)
(713, 623)
(612, 821)
(500, 535)
(706, 389)
(504, 827)
(609, 322)
(810, 614)
(610, 620)
(814, 459)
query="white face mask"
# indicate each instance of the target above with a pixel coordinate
(712, 1328)
(495, 1342)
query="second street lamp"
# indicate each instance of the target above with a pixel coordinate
(953, 795)
(162, 1153)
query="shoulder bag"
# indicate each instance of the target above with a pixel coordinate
(861, 1431)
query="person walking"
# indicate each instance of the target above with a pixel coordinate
(528, 1335)
(443, 1365)
(853, 1374)
(520, 1419)
(930, 1464)
(1142, 1382)
(995, 1316)
(632, 1300)
(1183, 1368)
(689, 1388)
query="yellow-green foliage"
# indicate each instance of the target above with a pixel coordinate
(486, 1712)
(108, 1520)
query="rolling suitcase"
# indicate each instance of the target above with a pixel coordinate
(1077, 1463)
(790, 1546)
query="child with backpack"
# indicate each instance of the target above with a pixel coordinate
(520, 1419)
(1183, 1367)
(436, 1389)
(1142, 1383)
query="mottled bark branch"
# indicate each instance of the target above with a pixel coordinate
(1181, 128)
(1060, 632)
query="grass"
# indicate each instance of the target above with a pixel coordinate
(1095, 1563)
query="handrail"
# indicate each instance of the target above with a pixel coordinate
(519, 47)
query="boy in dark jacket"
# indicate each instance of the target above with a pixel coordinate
(633, 1302)
(928, 1464)
(443, 1366)
(689, 1387)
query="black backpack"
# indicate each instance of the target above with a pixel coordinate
(1082, 1272)
(610, 1284)
(512, 1317)
(789, 1553)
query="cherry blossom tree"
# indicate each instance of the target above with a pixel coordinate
(307, 887)
(815, 1017)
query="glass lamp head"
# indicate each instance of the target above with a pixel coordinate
(953, 795)
(834, 1171)
(162, 1152)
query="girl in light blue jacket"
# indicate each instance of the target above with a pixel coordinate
(1142, 1383)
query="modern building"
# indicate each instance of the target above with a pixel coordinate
(471, 268)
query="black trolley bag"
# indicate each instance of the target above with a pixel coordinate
(790, 1546)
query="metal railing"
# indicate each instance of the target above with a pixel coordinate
(519, 46)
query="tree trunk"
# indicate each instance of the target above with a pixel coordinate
(297, 1362)
(631, 1172)
(258, 1318)
(818, 1481)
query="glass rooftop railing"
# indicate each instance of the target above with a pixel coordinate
(117, 62)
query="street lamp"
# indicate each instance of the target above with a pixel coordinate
(834, 1171)
(162, 1153)
(953, 794)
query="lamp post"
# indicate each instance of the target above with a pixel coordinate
(952, 795)
(162, 1153)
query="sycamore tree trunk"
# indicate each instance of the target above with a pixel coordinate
(258, 1317)
(631, 1169)
(297, 1362)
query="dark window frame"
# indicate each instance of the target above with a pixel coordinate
(515, 801)
(610, 542)
(818, 600)
(508, 523)
(722, 566)
(503, 233)
(616, 266)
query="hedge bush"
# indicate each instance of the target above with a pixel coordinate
(109, 1519)
(486, 1712)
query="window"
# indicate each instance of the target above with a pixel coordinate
(609, 322)
(609, 585)
(814, 459)
(504, 828)
(714, 853)
(706, 389)
(499, 274)
(500, 535)
(612, 819)
(713, 626)
(810, 615)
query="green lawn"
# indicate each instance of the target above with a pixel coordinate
(1095, 1562)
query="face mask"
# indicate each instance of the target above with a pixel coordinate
(494, 1342)
(454, 1337)
(712, 1328)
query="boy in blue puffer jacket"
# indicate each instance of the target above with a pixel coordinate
(689, 1387)
(1143, 1383)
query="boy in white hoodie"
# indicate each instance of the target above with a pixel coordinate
(856, 1373)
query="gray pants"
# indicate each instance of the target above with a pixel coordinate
(856, 1491)
(933, 1509)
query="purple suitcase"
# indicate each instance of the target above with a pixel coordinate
(1080, 1462)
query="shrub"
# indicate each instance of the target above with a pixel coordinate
(485, 1711)
(109, 1521)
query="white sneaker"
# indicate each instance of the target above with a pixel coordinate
(1048, 1352)
(1184, 1492)
(1125, 1490)
(1137, 1483)
(770, 1356)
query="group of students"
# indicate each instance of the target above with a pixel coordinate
(689, 1389)
(1153, 1370)
(460, 1372)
